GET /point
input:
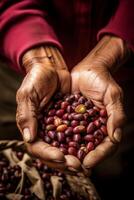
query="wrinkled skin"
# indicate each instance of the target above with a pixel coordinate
(97, 84)
(38, 86)
(91, 77)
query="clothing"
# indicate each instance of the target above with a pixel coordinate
(71, 25)
(74, 27)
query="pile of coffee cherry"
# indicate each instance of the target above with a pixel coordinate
(11, 175)
(73, 124)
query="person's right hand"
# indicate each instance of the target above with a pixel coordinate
(46, 72)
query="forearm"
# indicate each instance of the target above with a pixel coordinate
(111, 52)
(23, 26)
(48, 55)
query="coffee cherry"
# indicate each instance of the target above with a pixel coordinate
(90, 146)
(103, 120)
(47, 139)
(78, 117)
(64, 105)
(81, 154)
(69, 131)
(57, 121)
(73, 144)
(77, 137)
(65, 116)
(60, 113)
(55, 144)
(60, 136)
(104, 130)
(61, 128)
(69, 109)
(68, 139)
(89, 138)
(103, 113)
(72, 151)
(79, 129)
(82, 100)
(73, 124)
(92, 112)
(52, 134)
(97, 123)
(91, 128)
(52, 112)
(50, 127)
(49, 120)
(84, 123)
(80, 109)
(64, 150)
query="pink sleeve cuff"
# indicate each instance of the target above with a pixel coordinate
(27, 34)
(121, 23)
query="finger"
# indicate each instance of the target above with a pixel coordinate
(58, 59)
(65, 81)
(51, 156)
(75, 80)
(101, 152)
(26, 115)
(116, 117)
(73, 164)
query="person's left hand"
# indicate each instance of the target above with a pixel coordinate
(97, 84)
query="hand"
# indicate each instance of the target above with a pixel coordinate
(43, 77)
(92, 77)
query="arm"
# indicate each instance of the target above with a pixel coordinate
(93, 76)
(29, 42)
(23, 26)
(121, 23)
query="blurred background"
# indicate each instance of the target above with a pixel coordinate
(113, 178)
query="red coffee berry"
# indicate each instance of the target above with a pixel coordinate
(91, 128)
(60, 136)
(64, 105)
(60, 113)
(90, 146)
(69, 131)
(77, 137)
(72, 151)
(73, 124)
(89, 138)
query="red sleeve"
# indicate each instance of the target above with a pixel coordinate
(121, 23)
(23, 25)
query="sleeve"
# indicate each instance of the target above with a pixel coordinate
(24, 25)
(121, 23)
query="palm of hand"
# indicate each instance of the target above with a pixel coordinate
(36, 90)
(98, 85)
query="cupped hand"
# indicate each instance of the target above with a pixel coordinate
(96, 83)
(43, 78)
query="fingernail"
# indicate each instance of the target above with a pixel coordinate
(58, 161)
(118, 134)
(72, 169)
(26, 135)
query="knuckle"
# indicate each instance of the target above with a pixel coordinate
(21, 94)
(117, 93)
(65, 76)
(51, 74)
(20, 118)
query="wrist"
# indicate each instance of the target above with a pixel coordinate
(46, 55)
(111, 52)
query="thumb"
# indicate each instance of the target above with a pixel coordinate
(116, 116)
(26, 115)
